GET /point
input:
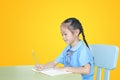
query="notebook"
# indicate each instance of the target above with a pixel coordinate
(52, 71)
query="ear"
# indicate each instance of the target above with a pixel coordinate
(77, 31)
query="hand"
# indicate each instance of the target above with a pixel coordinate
(39, 67)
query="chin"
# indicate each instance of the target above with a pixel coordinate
(67, 43)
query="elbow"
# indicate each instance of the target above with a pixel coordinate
(87, 71)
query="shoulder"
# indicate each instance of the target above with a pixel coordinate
(84, 50)
(83, 47)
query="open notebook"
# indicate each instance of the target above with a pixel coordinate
(52, 72)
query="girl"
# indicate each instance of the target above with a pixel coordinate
(76, 57)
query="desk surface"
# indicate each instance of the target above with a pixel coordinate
(25, 73)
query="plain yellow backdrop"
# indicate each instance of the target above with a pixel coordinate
(27, 25)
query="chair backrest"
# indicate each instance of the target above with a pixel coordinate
(105, 56)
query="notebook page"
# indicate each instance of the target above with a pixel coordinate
(52, 72)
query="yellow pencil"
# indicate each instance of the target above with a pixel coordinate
(34, 55)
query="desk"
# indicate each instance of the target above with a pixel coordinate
(25, 73)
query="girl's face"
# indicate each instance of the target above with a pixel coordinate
(68, 36)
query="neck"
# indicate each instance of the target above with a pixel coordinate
(74, 43)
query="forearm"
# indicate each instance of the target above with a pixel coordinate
(82, 70)
(50, 64)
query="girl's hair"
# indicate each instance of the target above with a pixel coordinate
(75, 24)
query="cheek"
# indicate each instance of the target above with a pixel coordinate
(71, 37)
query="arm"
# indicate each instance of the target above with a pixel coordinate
(45, 66)
(82, 70)
(50, 64)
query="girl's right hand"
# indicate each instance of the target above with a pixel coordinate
(39, 67)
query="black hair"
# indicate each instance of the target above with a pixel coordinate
(75, 24)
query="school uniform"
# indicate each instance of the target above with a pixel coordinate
(77, 56)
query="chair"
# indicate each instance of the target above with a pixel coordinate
(105, 56)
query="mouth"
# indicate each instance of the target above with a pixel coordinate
(66, 41)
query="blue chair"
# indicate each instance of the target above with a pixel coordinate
(105, 56)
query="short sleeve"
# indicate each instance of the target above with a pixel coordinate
(60, 58)
(84, 57)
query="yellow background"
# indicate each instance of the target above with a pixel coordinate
(35, 24)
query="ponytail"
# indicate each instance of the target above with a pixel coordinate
(84, 38)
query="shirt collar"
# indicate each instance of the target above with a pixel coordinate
(76, 47)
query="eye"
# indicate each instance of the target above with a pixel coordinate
(65, 34)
